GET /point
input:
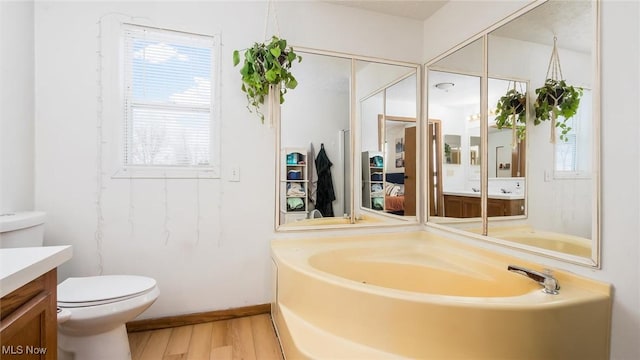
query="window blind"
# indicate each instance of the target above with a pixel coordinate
(168, 98)
(573, 156)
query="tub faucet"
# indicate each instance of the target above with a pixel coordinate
(549, 283)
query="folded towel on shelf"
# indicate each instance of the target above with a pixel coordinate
(295, 189)
(294, 175)
(377, 190)
(295, 204)
(377, 203)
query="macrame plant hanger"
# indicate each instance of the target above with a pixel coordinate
(273, 99)
(515, 139)
(554, 72)
(514, 121)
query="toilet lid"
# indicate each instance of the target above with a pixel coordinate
(94, 290)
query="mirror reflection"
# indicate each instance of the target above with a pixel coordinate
(321, 169)
(452, 148)
(560, 179)
(543, 173)
(458, 113)
(388, 143)
(315, 162)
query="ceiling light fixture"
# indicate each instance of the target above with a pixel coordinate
(444, 86)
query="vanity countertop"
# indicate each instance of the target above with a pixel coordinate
(19, 266)
(469, 193)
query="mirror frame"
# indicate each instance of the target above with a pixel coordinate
(354, 220)
(595, 260)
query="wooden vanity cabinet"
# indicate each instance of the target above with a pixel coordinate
(468, 207)
(28, 320)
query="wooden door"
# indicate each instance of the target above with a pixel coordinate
(434, 142)
(410, 171)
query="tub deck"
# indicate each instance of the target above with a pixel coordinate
(418, 295)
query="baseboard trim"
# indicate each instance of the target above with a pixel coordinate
(196, 318)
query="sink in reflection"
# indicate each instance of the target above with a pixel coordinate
(491, 195)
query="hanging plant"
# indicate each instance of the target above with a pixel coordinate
(556, 101)
(447, 153)
(512, 109)
(266, 72)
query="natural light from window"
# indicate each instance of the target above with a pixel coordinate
(168, 98)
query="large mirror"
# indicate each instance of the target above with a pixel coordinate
(320, 157)
(388, 113)
(454, 130)
(547, 182)
(315, 131)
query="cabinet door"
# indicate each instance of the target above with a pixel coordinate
(29, 329)
(471, 207)
(514, 207)
(452, 206)
(495, 207)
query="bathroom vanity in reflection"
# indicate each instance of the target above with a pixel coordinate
(462, 205)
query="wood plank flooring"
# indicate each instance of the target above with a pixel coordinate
(246, 338)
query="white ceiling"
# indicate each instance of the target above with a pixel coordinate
(540, 24)
(418, 10)
(567, 20)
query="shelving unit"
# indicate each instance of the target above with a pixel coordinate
(294, 182)
(373, 180)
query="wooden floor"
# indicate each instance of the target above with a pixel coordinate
(247, 338)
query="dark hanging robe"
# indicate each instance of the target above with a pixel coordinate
(324, 192)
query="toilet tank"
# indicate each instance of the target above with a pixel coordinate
(22, 229)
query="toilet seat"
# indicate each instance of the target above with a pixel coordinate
(100, 290)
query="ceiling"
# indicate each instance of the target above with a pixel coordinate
(539, 26)
(418, 10)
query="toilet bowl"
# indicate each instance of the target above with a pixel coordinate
(93, 312)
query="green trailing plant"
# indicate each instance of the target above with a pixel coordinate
(265, 66)
(558, 102)
(555, 100)
(512, 109)
(447, 153)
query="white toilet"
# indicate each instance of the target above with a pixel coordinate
(92, 310)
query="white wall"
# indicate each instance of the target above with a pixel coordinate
(16, 106)
(620, 135)
(229, 265)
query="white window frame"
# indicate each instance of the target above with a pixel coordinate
(578, 132)
(212, 170)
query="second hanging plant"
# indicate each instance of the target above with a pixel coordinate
(512, 109)
(267, 68)
(558, 102)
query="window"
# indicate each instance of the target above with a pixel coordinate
(573, 156)
(168, 100)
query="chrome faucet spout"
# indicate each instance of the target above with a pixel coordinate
(549, 283)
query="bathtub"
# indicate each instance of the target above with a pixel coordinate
(563, 243)
(331, 221)
(418, 295)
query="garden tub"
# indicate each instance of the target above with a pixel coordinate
(419, 295)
